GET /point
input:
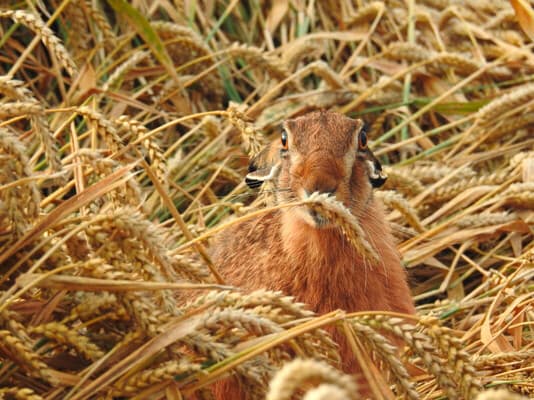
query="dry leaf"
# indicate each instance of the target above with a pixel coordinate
(525, 16)
(276, 14)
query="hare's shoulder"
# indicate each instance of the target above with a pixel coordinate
(244, 236)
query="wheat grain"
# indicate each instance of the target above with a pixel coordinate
(146, 313)
(296, 51)
(252, 138)
(402, 232)
(99, 17)
(187, 49)
(298, 373)
(14, 89)
(511, 125)
(365, 14)
(152, 376)
(341, 217)
(251, 373)
(260, 60)
(53, 44)
(155, 154)
(457, 358)
(323, 71)
(449, 191)
(491, 360)
(461, 63)
(273, 305)
(420, 343)
(103, 126)
(433, 173)
(123, 68)
(190, 44)
(18, 393)
(21, 201)
(388, 354)
(499, 394)
(279, 309)
(399, 203)
(326, 392)
(519, 195)
(70, 337)
(14, 109)
(127, 195)
(21, 354)
(489, 113)
(127, 235)
(247, 321)
(485, 219)
(402, 181)
(408, 51)
(79, 39)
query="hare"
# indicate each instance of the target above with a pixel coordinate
(297, 251)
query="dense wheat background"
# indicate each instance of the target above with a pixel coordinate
(125, 132)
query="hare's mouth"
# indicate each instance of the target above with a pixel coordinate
(312, 217)
(320, 220)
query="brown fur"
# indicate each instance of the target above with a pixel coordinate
(286, 250)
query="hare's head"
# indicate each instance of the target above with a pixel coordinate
(323, 152)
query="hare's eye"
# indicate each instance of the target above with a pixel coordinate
(284, 140)
(362, 139)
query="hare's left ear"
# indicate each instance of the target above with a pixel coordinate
(264, 166)
(256, 176)
(377, 177)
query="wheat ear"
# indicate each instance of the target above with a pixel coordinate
(296, 374)
(54, 45)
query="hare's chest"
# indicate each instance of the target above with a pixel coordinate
(342, 284)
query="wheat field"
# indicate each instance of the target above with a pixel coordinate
(125, 134)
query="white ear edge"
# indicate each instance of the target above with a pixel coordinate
(257, 176)
(373, 173)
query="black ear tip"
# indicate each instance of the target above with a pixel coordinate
(378, 182)
(253, 183)
(252, 167)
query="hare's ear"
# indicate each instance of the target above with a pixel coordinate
(256, 176)
(377, 177)
(264, 166)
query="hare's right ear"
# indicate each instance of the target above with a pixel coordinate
(264, 166)
(376, 175)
